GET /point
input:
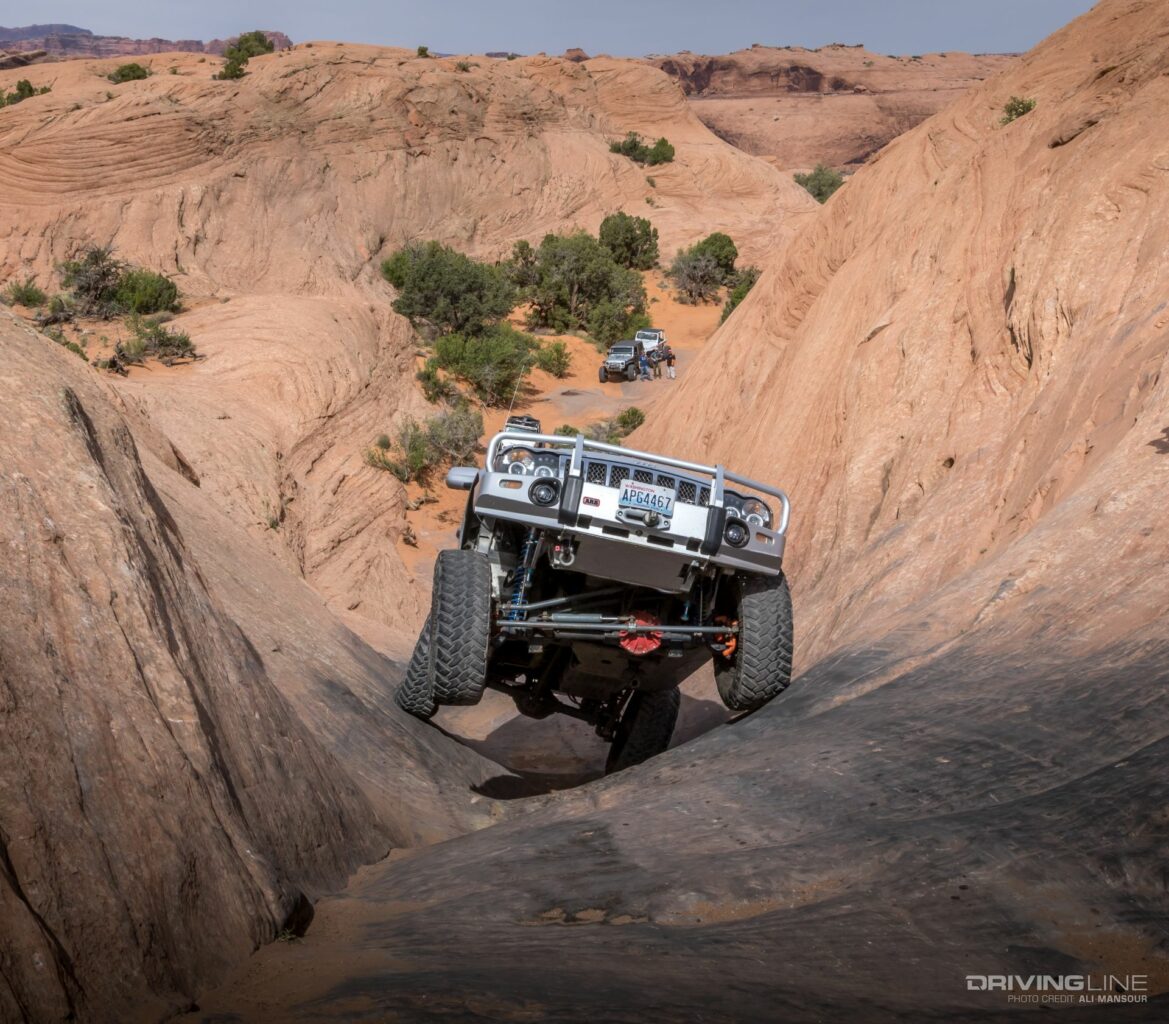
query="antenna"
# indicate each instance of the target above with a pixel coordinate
(519, 381)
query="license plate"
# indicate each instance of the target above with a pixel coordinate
(647, 497)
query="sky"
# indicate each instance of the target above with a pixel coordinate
(619, 27)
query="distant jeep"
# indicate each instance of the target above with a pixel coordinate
(621, 361)
(591, 579)
(653, 340)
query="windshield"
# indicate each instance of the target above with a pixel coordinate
(621, 350)
(647, 335)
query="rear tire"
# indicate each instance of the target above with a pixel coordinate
(645, 728)
(415, 695)
(761, 667)
(460, 627)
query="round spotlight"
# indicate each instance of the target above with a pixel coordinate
(737, 534)
(544, 492)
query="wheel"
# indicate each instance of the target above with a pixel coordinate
(761, 666)
(630, 372)
(415, 695)
(602, 376)
(460, 626)
(645, 728)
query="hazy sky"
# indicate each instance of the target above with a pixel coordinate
(624, 27)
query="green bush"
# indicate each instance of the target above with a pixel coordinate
(237, 55)
(25, 293)
(615, 430)
(464, 65)
(721, 248)
(820, 183)
(144, 291)
(697, 276)
(554, 358)
(633, 241)
(493, 363)
(1015, 108)
(128, 73)
(448, 289)
(93, 278)
(60, 311)
(435, 388)
(423, 51)
(418, 448)
(573, 282)
(566, 430)
(24, 90)
(632, 146)
(151, 338)
(744, 281)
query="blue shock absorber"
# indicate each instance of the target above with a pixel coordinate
(523, 574)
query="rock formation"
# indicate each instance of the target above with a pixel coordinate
(959, 371)
(68, 41)
(836, 105)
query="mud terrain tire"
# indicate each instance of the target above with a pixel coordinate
(631, 372)
(460, 626)
(645, 728)
(602, 376)
(761, 667)
(415, 695)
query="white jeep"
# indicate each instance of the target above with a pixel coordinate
(591, 579)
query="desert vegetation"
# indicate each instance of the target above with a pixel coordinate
(744, 281)
(821, 182)
(700, 272)
(574, 283)
(634, 147)
(25, 293)
(128, 73)
(633, 241)
(1015, 108)
(615, 430)
(101, 285)
(417, 448)
(24, 90)
(237, 55)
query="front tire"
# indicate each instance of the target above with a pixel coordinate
(645, 728)
(415, 695)
(460, 630)
(630, 373)
(761, 667)
(602, 376)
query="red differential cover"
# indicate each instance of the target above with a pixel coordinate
(642, 643)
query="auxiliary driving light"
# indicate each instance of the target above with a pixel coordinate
(737, 533)
(544, 492)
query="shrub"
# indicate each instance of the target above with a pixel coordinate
(573, 282)
(493, 363)
(24, 90)
(423, 51)
(615, 430)
(633, 241)
(696, 275)
(554, 358)
(143, 291)
(153, 339)
(1015, 108)
(93, 277)
(820, 182)
(744, 281)
(632, 146)
(464, 65)
(721, 248)
(383, 442)
(434, 387)
(60, 311)
(25, 293)
(566, 430)
(418, 448)
(448, 289)
(247, 46)
(128, 73)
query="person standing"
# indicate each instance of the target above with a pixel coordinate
(656, 362)
(670, 357)
(643, 365)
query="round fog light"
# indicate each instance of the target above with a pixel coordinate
(544, 492)
(736, 533)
